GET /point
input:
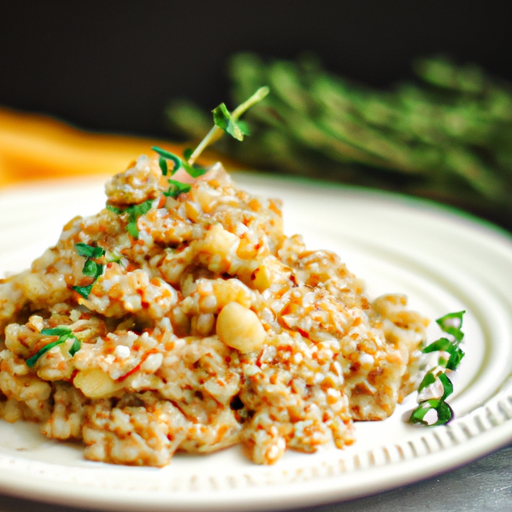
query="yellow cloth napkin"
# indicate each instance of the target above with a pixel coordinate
(34, 146)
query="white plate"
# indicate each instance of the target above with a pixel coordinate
(444, 261)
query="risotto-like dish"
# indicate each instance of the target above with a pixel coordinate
(193, 323)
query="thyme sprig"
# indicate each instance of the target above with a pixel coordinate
(450, 324)
(445, 134)
(63, 334)
(223, 121)
(91, 268)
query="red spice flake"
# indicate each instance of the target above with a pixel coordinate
(304, 334)
(73, 375)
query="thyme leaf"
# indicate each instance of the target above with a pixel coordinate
(227, 122)
(443, 410)
(224, 120)
(450, 324)
(91, 268)
(89, 251)
(134, 211)
(176, 188)
(64, 333)
(167, 155)
(84, 291)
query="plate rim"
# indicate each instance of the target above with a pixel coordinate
(482, 444)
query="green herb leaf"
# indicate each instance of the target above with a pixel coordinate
(57, 331)
(32, 360)
(447, 385)
(77, 345)
(132, 229)
(64, 333)
(176, 188)
(84, 291)
(452, 324)
(92, 269)
(194, 170)
(162, 162)
(227, 122)
(224, 120)
(169, 156)
(444, 412)
(136, 210)
(450, 346)
(89, 251)
(114, 209)
(429, 379)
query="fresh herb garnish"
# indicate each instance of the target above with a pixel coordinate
(91, 268)
(134, 211)
(89, 251)
(224, 121)
(451, 324)
(63, 333)
(164, 156)
(114, 209)
(445, 134)
(176, 188)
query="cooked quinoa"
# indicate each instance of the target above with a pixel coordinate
(205, 327)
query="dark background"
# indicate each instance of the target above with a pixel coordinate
(113, 65)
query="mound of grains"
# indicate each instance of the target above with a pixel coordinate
(192, 323)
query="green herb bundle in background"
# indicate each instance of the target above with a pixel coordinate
(446, 136)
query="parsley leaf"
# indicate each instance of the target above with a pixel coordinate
(136, 210)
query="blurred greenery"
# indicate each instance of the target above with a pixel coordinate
(446, 134)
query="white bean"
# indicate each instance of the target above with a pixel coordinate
(240, 328)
